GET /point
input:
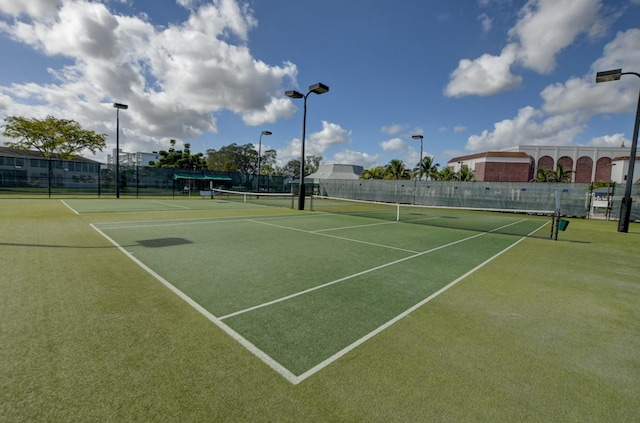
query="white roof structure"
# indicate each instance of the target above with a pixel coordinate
(335, 171)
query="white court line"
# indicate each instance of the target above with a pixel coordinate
(135, 224)
(235, 335)
(279, 368)
(170, 204)
(401, 316)
(364, 272)
(353, 227)
(70, 208)
(334, 236)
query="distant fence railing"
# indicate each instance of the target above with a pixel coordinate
(575, 199)
(60, 178)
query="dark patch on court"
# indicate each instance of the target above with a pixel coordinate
(163, 242)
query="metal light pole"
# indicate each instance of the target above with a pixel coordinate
(419, 137)
(118, 106)
(318, 88)
(260, 154)
(625, 208)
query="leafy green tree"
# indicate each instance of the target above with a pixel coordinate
(376, 172)
(62, 137)
(396, 169)
(268, 162)
(233, 158)
(179, 159)
(292, 168)
(311, 165)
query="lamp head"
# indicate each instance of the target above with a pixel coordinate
(293, 94)
(417, 137)
(610, 75)
(266, 133)
(120, 106)
(318, 88)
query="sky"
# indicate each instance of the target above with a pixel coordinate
(468, 75)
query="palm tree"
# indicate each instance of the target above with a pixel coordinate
(396, 169)
(376, 172)
(542, 175)
(465, 174)
(446, 174)
(429, 169)
(561, 175)
(548, 175)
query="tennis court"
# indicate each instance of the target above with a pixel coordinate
(300, 290)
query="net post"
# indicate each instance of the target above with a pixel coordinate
(397, 212)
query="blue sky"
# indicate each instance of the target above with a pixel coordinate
(469, 75)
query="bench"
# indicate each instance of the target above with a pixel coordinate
(206, 194)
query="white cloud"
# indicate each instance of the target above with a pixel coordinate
(356, 158)
(459, 128)
(583, 94)
(486, 75)
(616, 53)
(394, 128)
(544, 28)
(316, 143)
(568, 106)
(172, 78)
(486, 22)
(330, 135)
(32, 8)
(529, 127)
(394, 144)
(615, 140)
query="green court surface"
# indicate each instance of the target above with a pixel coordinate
(328, 283)
(213, 310)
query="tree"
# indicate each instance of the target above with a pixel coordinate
(311, 165)
(50, 136)
(549, 175)
(179, 159)
(429, 168)
(465, 174)
(233, 158)
(396, 169)
(292, 168)
(561, 175)
(376, 172)
(446, 174)
(268, 162)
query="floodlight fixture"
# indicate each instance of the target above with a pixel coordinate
(294, 94)
(118, 106)
(317, 88)
(419, 137)
(260, 154)
(610, 75)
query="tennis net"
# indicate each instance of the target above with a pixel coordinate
(512, 222)
(285, 200)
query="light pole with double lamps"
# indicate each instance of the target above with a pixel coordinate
(318, 88)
